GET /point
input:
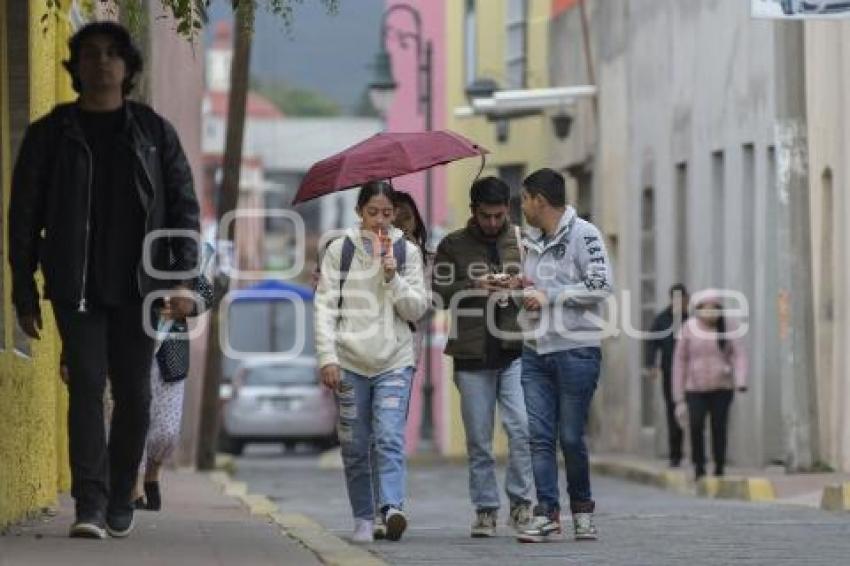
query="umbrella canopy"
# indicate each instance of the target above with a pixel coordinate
(384, 156)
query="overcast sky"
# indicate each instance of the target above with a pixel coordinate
(329, 53)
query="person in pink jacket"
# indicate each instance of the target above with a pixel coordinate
(708, 366)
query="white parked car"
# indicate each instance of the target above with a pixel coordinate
(271, 401)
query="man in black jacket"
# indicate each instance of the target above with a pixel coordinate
(665, 327)
(92, 179)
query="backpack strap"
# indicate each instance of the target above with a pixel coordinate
(400, 253)
(345, 260)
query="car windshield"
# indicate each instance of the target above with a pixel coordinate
(280, 375)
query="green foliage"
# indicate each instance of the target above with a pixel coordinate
(190, 16)
(296, 101)
(364, 106)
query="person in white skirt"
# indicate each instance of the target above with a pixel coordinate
(168, 380)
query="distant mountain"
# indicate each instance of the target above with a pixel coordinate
(331, 54)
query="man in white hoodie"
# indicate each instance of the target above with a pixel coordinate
(370, 292)
(570, 277)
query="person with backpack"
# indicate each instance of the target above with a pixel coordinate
(709, 364)
(370, 293)
(665, 331)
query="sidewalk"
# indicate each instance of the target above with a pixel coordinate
(199, 526)
(820, 490)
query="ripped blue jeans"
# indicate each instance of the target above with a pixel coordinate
(374, 409)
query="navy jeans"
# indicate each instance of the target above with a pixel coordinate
(558, 390)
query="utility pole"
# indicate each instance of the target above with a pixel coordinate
(227, 202)
(794, 300)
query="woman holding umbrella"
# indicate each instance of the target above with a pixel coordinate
(371, 290)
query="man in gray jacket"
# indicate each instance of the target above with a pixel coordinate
(568, 279)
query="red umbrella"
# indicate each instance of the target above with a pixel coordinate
(384, 156)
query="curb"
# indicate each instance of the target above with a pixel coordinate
(329, 548)
(752, 489)
(836, 497)
(755, 489)
(644, 474)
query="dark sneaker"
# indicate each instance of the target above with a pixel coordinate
(520, 517)
(119, 521)
(379, 528)
(544, 527)
(584, 527)
(153, 498)
(396, 524)
(484, 525)
(88, 526)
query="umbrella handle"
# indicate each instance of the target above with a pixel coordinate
(481, 168)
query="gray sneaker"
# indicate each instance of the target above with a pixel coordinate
(484, 525)
(584, 527)
(520, 517)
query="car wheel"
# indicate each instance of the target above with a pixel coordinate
(788, 7)
(230, 445)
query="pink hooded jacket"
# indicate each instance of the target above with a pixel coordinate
(699, 364)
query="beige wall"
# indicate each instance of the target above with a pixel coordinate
(828, 82)
(175, 75)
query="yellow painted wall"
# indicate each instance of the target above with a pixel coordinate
(33, 401)
(528, 137)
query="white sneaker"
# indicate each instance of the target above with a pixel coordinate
(363, 531)
(583, 526)
(396, 524)
(543, 528)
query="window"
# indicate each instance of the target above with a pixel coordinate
(517, 44)
(748, 217)
(682, 239)
(470, 45)
(827, 266)
(513, 176)
(647, 292)
(718, 225)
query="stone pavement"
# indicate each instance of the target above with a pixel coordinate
(198, 526)
(639, 525)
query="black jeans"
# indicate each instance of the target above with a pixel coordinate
(99, 343)
(716, 404)
(675, 434)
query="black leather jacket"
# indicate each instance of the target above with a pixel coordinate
(50, 206)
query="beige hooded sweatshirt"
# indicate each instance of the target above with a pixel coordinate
(370, 334)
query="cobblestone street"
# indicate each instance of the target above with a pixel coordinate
(638, 525)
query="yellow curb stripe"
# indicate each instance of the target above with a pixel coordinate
(746, 489)
(754, 489)
(329, 548)
(836, 497)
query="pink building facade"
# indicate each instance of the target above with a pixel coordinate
(405, 115)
